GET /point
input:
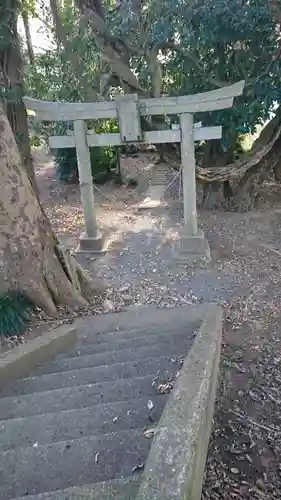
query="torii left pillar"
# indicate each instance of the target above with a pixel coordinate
(192, 245)
(91, 240)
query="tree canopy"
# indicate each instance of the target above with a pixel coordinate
(156, 47)
(164, 48)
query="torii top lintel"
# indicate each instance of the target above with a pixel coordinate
(207, 101)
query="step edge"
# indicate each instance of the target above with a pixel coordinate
(73, 410)
(70, 441)
(116, 484)
(100, 336)
(88, 369)
(106, 353)
(34, 394)
(175, 465)
(140, 317)
(22, 359)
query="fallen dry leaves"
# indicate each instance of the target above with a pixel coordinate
(244, 278)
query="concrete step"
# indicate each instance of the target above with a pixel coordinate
(74, 424)
(103, 373)
(120, 345)
(88, 335)
(32, 470)
(91, 343)
(120, 489)
(154, 195)
(173, 346)
(77, 397)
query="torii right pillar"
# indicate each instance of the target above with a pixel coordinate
(192, 244)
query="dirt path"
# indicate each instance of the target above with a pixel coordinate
(244, 277)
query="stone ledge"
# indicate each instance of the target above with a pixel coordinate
(192, 248)
(21, 360)
(141, 317)
(175, 466)
(118, 489)
(97, 245)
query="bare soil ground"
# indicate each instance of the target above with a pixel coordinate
(244, 277)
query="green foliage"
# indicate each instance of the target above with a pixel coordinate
(103, 159)
(52, 77)
(220, 43)
(28, 7)
(54, 86)
(230, 40)
(14, 310)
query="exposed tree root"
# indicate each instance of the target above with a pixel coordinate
(31, 258)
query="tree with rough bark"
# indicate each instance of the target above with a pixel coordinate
(11, 78)
(32, 261)
(30, 50)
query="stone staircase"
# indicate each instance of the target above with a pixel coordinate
(75, 428)
(156, 188)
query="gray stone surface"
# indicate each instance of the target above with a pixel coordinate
(80, 419)
(142, 340)
(147, 320)
(175, 466)
(19, 361)
(76, 397)
(74, 424)
(192, 248)
(33, 470)
(169, 345)
(122, 489)
(92, 245)
(72, 378)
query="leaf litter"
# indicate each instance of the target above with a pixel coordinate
(244, 278)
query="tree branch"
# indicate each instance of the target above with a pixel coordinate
(78, 68)
(156, 72)
(114, 53)
(276, 10)
(30, 50)
(192, 57)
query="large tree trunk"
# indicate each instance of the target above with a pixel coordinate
(249, 172)
(12, 81)
(216, 193)
(28, 37)
(31, 259)
(277, 171)
(249, 187)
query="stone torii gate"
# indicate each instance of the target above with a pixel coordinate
(128, 109)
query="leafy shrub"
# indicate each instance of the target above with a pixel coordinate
(14, 309)
(103, 159)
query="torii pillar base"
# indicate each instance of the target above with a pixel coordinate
(192, 248)
(92, 245)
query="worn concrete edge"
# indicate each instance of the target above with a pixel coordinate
(138, 317)
(98, 250)
(21, 360)
(117, 489)
(175, 466)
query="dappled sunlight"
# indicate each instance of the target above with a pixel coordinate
(116, 207)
